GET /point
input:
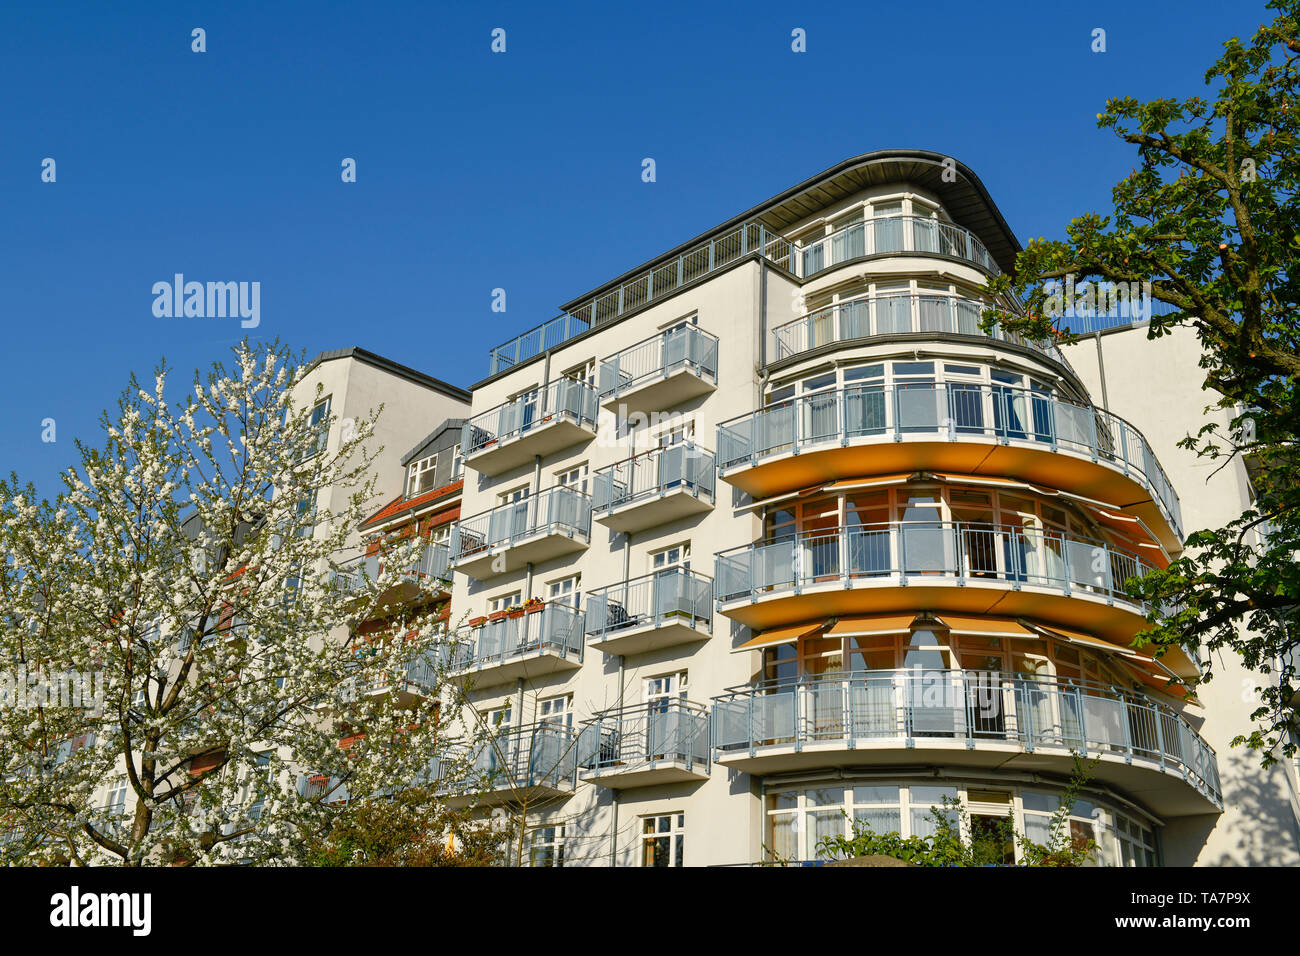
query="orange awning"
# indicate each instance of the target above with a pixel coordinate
(782, 635)
(1152, 670)
(874, 624)
(984, 626)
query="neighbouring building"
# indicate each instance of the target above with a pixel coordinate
(765, 536)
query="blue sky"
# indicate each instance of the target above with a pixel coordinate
(478, 170)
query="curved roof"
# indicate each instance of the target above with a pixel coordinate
(965, 199)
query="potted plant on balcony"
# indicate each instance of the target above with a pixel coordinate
(533, 605)
(477, 621)
(515, 611)
(498, 615)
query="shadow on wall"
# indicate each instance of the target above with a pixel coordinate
(1258, 826)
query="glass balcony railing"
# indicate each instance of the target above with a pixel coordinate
(653, 474)
(556, 630)
(884, 235)
(1036, 713)
(688, 348)
(560, 510)
(422, 674)
(966, 551)
(630, 738)
(563, 400)
(542, 755)
(360, 574)
(662, 597)
(951, 411)
(898, 315)
(881, 235)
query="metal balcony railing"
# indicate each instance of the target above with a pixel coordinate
(964, 550)
(431, 565)
(652, 474)
(971, 706)
(565, 399)
(537, 755)
(688, 347)
(558, 510)
(894, 314)
(556, 628)
(952, 411)
(882, 235)
(638, 735)
(322, 787)
(675, 595)
(422, 673)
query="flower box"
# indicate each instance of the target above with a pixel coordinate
(497, 615)
(477, 621)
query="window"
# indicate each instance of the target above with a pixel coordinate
(660, 691)
(320, 424)
(663, 840)
(575, 478)
(258, 785)
(500, 717)
(556, 711)
(457, 462)
(304, 512)
(420, 476)
(566, 591)
(586, 372)
(546, 846)
(440, 534)
(514, 495)
(678, 556)
(115, 801)
(677, 434)
(503, 602)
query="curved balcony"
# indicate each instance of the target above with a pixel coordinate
(540, 422)
(532, 529)
(658, 610)
(966, 429)
(528, 645)
(646, 745)
(654, 488)
(929, 565)
(891, 316)
(985, 719)
(661, 371)
(890, 235)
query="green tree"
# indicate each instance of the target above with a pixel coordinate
(1208, 218)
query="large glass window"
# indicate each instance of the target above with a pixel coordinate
(663, 840)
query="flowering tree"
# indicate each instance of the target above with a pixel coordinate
(192, 574)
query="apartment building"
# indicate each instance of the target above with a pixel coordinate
(765, 536)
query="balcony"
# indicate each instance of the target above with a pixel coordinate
(534, 529)
(660, 372)
(978, 430)
(431, 574)
(540, 422)
(527, 645)
(654, 488)
(659, 610)
(535, 762)
(418, 681)
(978, 719)
(646, 745)
(892, 316)
(942, 566)
(889, 235)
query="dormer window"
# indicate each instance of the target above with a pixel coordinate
(420, 476)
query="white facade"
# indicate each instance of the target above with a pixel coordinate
(995, 459)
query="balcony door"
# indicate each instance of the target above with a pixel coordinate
(663, 719)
